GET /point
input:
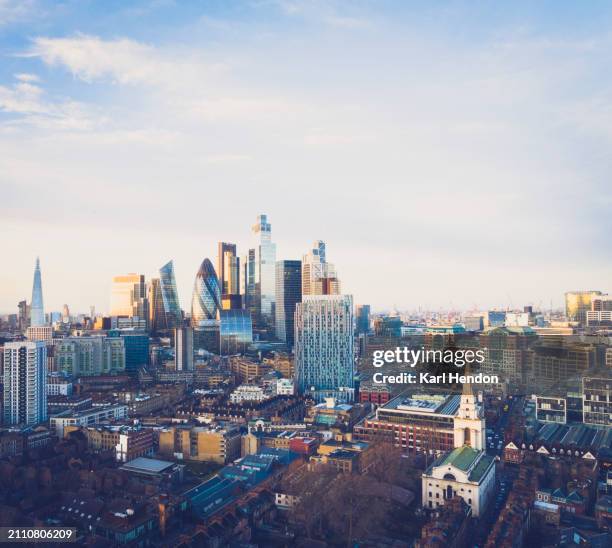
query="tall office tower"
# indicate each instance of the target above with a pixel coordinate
(206, 298)
(37, 311)
(265, 271)
(247, 283)
(288, 294)
(65, 314)
(164, 309)
(324, 361)
(362, 319)
(318, 276)
(183, 349)
(129, 296)
(157, 313)
(228, 271)
(24, 315)
(25, 377)
(577, 303)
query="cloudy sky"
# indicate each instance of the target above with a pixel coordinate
(451, 154)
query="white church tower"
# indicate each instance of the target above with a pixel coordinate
(469, 424)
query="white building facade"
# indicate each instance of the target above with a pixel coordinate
(467, 471)
(25, 378)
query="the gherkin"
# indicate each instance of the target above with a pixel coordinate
(206, 299)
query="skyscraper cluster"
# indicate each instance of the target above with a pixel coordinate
(292, 303)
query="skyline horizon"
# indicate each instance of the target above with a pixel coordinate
(376, 309)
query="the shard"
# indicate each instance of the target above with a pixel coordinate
(37, 311)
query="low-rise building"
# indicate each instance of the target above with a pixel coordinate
(220, 444)
(87, 417)
(59, 384)
(127, 442)
(248, 393)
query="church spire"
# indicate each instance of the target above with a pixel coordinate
(467, 389)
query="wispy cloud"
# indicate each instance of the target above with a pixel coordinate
(15, 10)
(434, 136)
(35, 108)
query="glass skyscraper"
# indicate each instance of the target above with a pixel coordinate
(157, 313)
(236, 331)
(206, 299)
(288, 294)
(265, 270)
(324, 361)
(173, 315)
(37, 311)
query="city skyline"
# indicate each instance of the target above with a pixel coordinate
(186, 306)
(405, 131)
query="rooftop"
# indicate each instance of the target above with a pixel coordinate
(145, 465)
(425, 403)
(462, 458)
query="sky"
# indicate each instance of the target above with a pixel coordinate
(451, 154)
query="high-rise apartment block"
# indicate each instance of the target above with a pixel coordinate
(324, 360)
(25, 376)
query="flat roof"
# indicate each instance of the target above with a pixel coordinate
(147, 466)
(425, 403)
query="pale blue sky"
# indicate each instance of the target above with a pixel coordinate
(449, 153)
